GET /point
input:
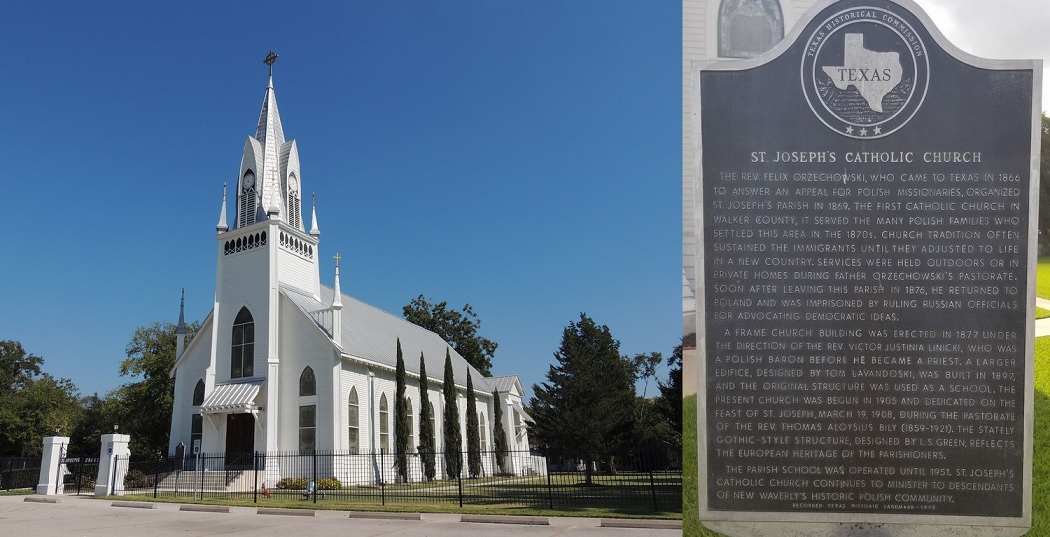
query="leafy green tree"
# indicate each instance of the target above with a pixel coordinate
(401, 418)
(459, 329)
(669, 403)
(453, 438)
(426, 423)
(586, 407)
(16, 367)
(143, 408)
(473, 431)
(33, 404)
(97, 416)
(499, 436)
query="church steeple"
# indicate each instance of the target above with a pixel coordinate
(269, 182)
(222, 227)
(180, 330)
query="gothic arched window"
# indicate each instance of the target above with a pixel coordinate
(481, 428)
(246, 196)
(242, 348)
(384, 425)
(353, 419)
(411, 433)
(198, 393)
(433, 423)
(307, 383)
(747, 28)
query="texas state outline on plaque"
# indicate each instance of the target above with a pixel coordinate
(874, 74)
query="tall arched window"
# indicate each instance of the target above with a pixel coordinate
(307, 382)
(242, 349)
(481, 428)
(747, 28)
(198, 393)
(411, 434)
(384, 425)
(433, 423)
(246, 209)
(353, 419)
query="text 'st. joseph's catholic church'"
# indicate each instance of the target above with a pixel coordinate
(285, 363)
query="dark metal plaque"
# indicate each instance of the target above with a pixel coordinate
(865, 206)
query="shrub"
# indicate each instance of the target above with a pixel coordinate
(292, 483)
(329, 483)
(136, 479)
(299, 483)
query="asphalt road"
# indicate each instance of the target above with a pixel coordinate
(84, 516)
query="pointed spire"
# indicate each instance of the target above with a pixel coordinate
(313, 225)
(221, 227)
(337, 307)
(337, 302)
(270, 135)
(181, 328)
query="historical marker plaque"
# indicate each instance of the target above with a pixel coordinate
(867, 202)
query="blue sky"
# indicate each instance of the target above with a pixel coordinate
(523, 157)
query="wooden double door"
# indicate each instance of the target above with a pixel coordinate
(240, 440)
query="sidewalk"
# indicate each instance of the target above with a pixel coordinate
(85, 516)
(1042, 326)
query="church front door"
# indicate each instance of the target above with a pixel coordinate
(240, 440)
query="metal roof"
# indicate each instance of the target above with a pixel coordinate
(228, 398)
(506, 384)
(372, 334)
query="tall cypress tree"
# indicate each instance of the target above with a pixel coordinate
(426, 423)
(473, 431)
(453, 439)
(400, 419)
(499, 436)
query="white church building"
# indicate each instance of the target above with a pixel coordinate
(284, 363)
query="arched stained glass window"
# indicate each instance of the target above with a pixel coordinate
(384, 425)
(242, 348)
(747, 28)
(198, 393)
(354, 421)
(307, 383)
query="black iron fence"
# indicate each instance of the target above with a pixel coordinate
(19, 472)
(78, 473)
(630, 483)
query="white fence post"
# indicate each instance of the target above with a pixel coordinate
(50, 481)
(110, 478)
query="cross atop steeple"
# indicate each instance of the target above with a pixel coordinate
(270, 58)
(337, 257)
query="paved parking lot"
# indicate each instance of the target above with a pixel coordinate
(84, 516)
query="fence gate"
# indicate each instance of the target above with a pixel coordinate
(78, 473)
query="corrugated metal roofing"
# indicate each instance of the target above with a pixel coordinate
(371, 333)
(505, 384)
(232, 398)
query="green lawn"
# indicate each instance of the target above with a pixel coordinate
(1040, 457)
(1042, 278)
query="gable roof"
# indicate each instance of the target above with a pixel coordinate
(507, 384)
(372, 334)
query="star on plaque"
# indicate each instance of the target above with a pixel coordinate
(864, 131)
(849, 129)
(878, 131)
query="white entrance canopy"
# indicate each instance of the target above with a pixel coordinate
(230, 398)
